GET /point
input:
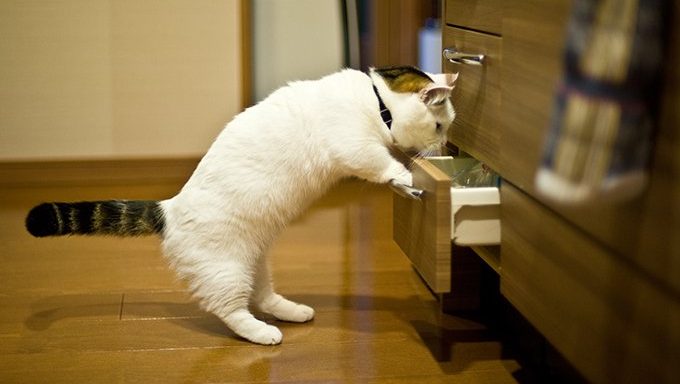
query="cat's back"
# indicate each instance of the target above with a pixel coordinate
(276, 157)
(300, 114)
(284, 137)
(336, 88)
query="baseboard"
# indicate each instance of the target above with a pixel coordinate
(96, 172)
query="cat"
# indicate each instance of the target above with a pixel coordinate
(266, 166)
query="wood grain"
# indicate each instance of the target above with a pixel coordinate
(480, 15)
(602, 282)
(491, 254)
(611, 323)
(246, 43)
(533, 37)
(423, 228)
(97, 172)
(643, 231)
(477, 97)
(85, 310)
(391, 35)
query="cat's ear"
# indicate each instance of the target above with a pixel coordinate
(435, 94)
(448, 79)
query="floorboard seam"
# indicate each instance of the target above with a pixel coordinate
(122, 302)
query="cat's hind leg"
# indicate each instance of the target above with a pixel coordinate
(224, 288)
(244, 324)
(270, 302)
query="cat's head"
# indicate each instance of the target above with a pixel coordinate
(420, 105)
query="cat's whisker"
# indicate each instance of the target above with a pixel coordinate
(425, 153)
(414, 157)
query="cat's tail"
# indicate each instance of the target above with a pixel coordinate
(113, 217)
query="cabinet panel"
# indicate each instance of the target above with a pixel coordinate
(611, 322)
(481, 15)
(532, 51)
(643, 231)
(477, 97)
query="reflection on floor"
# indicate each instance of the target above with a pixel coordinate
(108, 310)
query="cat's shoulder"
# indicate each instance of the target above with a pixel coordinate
(346, 75)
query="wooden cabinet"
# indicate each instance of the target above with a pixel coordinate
(601, 283)
(533, 41)
(424, 229)
(478, 15)
(642, 231)
(613, 323)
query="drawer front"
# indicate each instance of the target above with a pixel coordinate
(643, 231)
(422, 229)
(481, 15)
(425, 229)
(477, 97)
(532, 64)
(604, 315)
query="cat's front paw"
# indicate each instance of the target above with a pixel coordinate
(395, 173)
(406, 191)
(403, 186)
(404, 177)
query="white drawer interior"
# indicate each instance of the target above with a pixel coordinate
(475, 210)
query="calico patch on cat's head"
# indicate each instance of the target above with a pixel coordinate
(404, 79)
(420, 106)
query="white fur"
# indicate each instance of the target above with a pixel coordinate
(266, 167)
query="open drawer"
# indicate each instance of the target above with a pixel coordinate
(425, 228)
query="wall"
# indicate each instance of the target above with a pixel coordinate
(295, 40)
(91, 79)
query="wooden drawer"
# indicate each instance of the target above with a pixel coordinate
(533, 41)
(477, 97)
(644, 231)
(424, 229)
(480, 15)
(601, 312)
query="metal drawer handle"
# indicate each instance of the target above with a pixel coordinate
(455, 56)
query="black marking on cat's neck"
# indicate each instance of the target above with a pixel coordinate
(401, 80)
(384, 111)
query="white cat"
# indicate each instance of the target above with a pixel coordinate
(268, 164)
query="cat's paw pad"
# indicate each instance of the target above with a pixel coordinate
(266, 335)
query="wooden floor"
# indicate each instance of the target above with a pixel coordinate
(108, 310)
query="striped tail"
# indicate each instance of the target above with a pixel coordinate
(114, 217)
